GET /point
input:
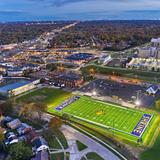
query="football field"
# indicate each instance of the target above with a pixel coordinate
(113, 118)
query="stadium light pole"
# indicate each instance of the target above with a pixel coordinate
(138, 102)
(94, 93)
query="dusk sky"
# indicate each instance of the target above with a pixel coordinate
(25, 10)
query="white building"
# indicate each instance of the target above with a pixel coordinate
(148, 57)
(15, 72)
(11, 138)
(104, 58)
(18, 87)
(1, 78)
(151, 52)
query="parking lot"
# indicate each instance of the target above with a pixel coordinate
(126, 92)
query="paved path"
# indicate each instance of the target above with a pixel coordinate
(72, 135)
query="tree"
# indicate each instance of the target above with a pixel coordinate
(40, 108)
(1, 136)
(29, 109)
(6, 107)
(55, 123)
(51, 67)
(92, 71)
(65, 117)
(20, 151)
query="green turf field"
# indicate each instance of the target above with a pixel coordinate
(113, 118)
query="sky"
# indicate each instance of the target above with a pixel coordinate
(29, 10)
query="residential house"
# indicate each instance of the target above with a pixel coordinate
(23, 129)
(11, 138)
(14, 124)
(40, 144)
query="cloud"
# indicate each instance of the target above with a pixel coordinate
(65, 2)
(11, 12)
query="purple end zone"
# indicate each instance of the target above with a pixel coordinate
(66, 103)
(141, 126)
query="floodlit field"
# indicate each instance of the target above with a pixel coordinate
(113, 118)
(105, 114)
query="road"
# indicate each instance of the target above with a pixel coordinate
(72, 135)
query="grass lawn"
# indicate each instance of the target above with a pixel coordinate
(52, 137)
(57, 156)
(81, 146)
(61, 138)
(49, 96)
(52, 142)
(93, 156)
(152, 153)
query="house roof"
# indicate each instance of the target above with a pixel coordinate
(152, 89)
(38, 142)
(14, 124)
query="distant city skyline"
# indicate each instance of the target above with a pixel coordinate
(31, 10)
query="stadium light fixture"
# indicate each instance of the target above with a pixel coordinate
(94, 93)
(138, 103)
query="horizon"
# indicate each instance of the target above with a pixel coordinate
(57, 10)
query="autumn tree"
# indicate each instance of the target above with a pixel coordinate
(1, 136)
(40, 108)
(28, 109)
(65, 117)
(6, 107)
(55, 123)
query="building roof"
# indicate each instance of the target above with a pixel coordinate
(15, 69)
(23, 128)
(69, 77)
(14, 124)
(80, 56)
(155, 40)
(66, 76)
(38, 142)
(153, 89)
(14, 85)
